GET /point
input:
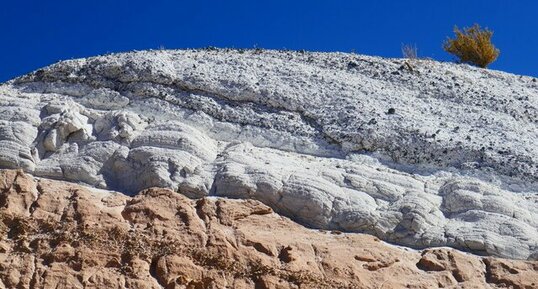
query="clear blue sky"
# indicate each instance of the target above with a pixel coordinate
(37, 33)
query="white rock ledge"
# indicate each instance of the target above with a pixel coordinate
(454, 163)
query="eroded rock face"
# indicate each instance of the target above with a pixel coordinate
(443, 155)
(60, 235)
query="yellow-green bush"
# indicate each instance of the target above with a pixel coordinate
(472, 45)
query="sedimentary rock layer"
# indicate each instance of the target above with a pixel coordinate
(417, 153)
(61, 235)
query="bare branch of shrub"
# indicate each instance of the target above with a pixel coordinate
(409, 51)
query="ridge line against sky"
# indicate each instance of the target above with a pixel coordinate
(38, 33)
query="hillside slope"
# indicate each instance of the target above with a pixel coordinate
(420, 154)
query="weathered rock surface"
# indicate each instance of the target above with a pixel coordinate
(425, 155)
(61, 235)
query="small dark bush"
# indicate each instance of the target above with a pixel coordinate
(472, 45)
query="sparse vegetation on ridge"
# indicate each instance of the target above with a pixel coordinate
(472, 45)
(410, 51)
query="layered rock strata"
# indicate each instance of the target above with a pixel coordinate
(420, 154)
(61, 235)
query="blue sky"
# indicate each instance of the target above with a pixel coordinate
(38, 33)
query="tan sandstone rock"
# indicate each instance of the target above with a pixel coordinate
(61, 235)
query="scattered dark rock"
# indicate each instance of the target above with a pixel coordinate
(211, 48)
(352, 64)
(391, 111)
(407, 66)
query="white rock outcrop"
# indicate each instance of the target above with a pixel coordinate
(426, 154)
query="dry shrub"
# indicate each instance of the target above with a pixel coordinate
(472, 45)
(409, 51)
